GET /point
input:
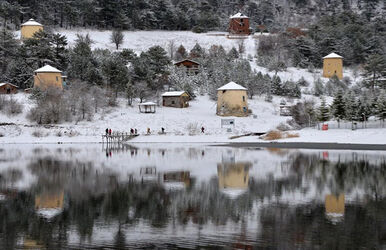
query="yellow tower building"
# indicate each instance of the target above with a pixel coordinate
(48, 76)
(333, 65)
(232, 100)
(29, 28)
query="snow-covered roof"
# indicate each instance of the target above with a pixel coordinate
(239, 15)
(173, 93)
(48, 69)
(332, 55)
(4, 83)
(31, 22)
(186, 60)
(147, 104)
(232, 86)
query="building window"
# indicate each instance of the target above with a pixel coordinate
(245, 109)
(243, 98)
(173, 102)
(223, 91)
(57, 78)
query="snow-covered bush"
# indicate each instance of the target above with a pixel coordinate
(193, 128)
(10, 106)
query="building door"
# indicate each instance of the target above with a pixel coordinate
(8, 91)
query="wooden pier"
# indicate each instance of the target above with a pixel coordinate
(117, 137)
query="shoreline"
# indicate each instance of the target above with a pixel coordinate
(249, 144)
(308, 145)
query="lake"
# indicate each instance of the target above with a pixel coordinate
(190, 197)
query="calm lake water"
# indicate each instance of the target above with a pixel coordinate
(190, 197)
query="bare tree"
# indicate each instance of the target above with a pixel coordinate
(241, 46)
(172, 49)
(117, 38)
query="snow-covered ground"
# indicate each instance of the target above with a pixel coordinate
(177, 122)
(140, 41)
(181, 125)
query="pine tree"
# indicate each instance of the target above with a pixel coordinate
(197, 51)
(324, 111)
(338, 107)
(375, 68)
(381, 107)
(276, 85)
(181, 53)
(318, 87)
(115, 73)
(233, 54)
(350, 107)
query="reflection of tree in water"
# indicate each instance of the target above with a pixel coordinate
(305, 226)
(342, 176)
(94, 197)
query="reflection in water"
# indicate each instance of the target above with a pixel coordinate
(65, 197)
(334, 207)
(233, 178)
(48, 204)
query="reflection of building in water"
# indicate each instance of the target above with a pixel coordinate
(177, 179)
(233, 178)
(49, 205)
(31, 244)
(148, 174)
(334, 207)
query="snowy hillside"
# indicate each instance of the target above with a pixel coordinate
(140, 41)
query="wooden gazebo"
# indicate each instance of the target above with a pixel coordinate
(147, 107)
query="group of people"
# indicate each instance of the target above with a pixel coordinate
(133, 131)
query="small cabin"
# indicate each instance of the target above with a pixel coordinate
(192, 67)
(8, 88)
(175, 99)
(48, 76)
(239, 24)
(333, 65)
(232, 100)
(29, 28)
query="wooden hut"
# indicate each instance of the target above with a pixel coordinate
(147, 107)
(333, 65)
(239, 24)
(192, 67)
(8, 88)
(232, 100)
(48, 76)
(176, 99)
(29, 28)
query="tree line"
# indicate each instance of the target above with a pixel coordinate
(179, 15)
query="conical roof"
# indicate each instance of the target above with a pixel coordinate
(239, 15)
(232, 86)
(31, 22)
(332, 55)
(48, 69)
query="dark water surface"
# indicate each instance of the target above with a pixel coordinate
(190, 197)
